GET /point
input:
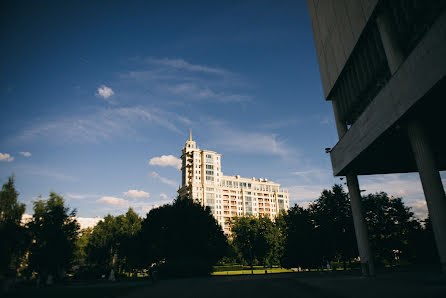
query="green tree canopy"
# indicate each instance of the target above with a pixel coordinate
(332, 217)
(258, 239)
(183, 238)
(112, 242)
(390, 225)
(54, 231)
(12, 233)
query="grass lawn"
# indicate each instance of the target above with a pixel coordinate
(241, 270)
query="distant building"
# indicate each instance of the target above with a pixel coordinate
(383, 67)
(202, 180)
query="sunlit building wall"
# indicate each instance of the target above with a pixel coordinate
(202, 179)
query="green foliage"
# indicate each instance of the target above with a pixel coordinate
(333, 221)
(54, 231)
(324, 231)
(111, 243)
(183, 239)
(12, 235)
(390, 226)
(257, 239)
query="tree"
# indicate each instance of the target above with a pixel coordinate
(112, 243)
(54, 231)
(390, 225)
(12, 233)
(333, 219)
(182, 238)
(245, 231)
(302, 240)
(258, 239)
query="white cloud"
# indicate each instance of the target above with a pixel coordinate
(84, 222)
(195, 92)
(164, 196)
(6, 157)
(88, 222)
(252, 142)
(184, 65)
(26, 154)
(80, 196)
(133, 193)
(102, 125)
(104, 92)
(164, 180)
(166, 161)
(419, 208)
(114, 201)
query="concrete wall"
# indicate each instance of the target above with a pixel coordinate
(423, 68)
(337, 25)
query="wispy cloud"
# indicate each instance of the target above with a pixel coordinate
(164, 196)
(40, 171)
(196, 92)
(6, 157)
(250, 141)
(133, 193)
(78, 196)
(26, 154)
(166, 161)
(101, 125)
(179, 80)
(184, 65)
(155, 175)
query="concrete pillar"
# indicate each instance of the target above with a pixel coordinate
(362, 238)
(394, 54)
(432, 185)
(362, 235)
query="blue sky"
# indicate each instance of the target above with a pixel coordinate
(94, 91)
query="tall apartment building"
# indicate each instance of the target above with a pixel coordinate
(202, 180)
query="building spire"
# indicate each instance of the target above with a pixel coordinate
(190, 134)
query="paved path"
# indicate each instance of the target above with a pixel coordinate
(419, 285)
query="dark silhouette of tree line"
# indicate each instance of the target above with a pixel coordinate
(324, 233)
(184, 239)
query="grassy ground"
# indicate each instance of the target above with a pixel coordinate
(248, 271)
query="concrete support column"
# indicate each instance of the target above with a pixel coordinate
(362, 238)
(362, 235)
(432, 185)
(394, 54)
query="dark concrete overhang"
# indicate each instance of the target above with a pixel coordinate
(377, 142)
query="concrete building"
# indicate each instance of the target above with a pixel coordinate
(383, 67)
(202, 179)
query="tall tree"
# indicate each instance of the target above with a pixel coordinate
(302, 240)
(54, 231)
(245, 231)
(183, 238)
(112, 242)
(333, 219)
(258, 239)
(390, 225)
(12, 233)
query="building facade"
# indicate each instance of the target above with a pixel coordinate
(383, 67)
(202, 180)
